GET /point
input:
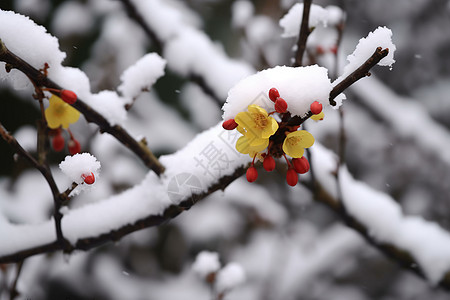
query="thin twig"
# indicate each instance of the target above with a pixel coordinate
(45, 171)
(13, 292)
(40, 80)
(359, 73)
(303, 35)
(137, 17)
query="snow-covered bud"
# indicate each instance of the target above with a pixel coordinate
(269, 163)
(68, 96)
(316, 108)
(74, 146)
(291, 177)
(58, 142)
(229, 277)
(301, 165)
(88, 178)
(273, 94)
(281, 105)
(83, 169)
(206, 265)
(229, 124)
(252, 174)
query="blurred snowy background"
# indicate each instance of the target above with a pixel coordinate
(289, 247)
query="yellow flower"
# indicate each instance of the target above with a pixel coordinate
(318, 117)
(295, 143)
(256, 124)
(59, 113)
(251, 146)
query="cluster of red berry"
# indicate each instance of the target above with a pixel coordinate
(58, 142)
(321, 50)
(299, 165)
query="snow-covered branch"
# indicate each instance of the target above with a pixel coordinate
(41, 81)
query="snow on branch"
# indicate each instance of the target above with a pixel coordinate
(186, 182)
(411, 122)
(41, 81)
(188, 50)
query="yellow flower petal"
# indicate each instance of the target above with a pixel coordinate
(270, 129)
(244, 119)
(255, 109)
(59, 113)
(256, 123)
(244, 146)
(318, 117)
(296, 141)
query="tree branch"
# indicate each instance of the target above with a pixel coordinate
(359, 73)
(303, 35)
(137, 17)
(115, 235)
(40, 80)
(45, 171)
(401, 256)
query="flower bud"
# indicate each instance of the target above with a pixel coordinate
(334, 49)
(58, 142)
(301, 165)
(291, 177)
(229, 124)
(74, 146)
(252, 174)
(88, 178)
(320, 50)
(316, 108)
(269, 163)
(273, 94)
(281, 105)
(68, 96)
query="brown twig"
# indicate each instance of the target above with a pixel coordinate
(13, 292)
(137, 17)
(40, 80)
(359, 73)
(45, 171)
(115, 235)
(305, 31)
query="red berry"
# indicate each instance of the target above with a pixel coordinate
(74, 147)
(273, 94)
(301, 165)
(58, 142)
(252, 174)
(316, 108)
(291, 177)
(88, 178)
(229, 124)
(320, 50)
(281, 105)
(68, 96)
(269, 163)
(334, 49)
